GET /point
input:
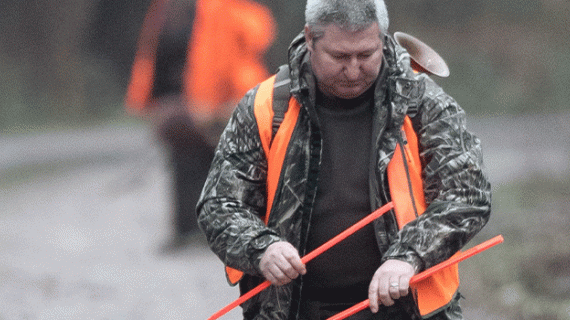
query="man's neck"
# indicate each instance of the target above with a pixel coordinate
(333, 103)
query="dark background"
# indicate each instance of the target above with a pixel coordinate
(67, 62)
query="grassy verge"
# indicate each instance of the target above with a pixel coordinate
(528, 276)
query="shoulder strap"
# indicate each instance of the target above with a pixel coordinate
(281, 96)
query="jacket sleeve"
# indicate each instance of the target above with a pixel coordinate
(457, 192)
(234, 196)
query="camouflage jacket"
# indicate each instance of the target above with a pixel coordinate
(233, 201)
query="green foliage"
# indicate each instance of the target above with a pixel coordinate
(526, 277)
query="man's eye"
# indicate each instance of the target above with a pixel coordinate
(340, 56)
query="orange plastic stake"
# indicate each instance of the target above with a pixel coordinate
(422, 275)
(308, 257)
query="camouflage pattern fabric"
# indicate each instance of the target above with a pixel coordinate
(233, 200)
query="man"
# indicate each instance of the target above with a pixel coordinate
(189, 70)
(354, 100)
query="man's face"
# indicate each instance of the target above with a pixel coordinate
(346, 63)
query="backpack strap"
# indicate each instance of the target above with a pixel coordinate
(281, 96)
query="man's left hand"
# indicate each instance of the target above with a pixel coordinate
(390, 282)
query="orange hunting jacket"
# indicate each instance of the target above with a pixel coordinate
(224, 56)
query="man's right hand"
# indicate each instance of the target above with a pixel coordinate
(280, 263)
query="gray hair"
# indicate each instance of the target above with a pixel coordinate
(353, 14)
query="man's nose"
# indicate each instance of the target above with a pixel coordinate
(352, 69)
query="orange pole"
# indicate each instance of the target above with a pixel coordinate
(310, 256)
(422, 275)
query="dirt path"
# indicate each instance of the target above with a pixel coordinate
(82, 243)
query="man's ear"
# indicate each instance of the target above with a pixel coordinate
(309, 38)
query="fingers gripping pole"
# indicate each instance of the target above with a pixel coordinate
(310, 256)
(422, 275)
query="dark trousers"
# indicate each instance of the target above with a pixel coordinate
(190, 158)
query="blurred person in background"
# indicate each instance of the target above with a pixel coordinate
(194, 60)
(346, 127)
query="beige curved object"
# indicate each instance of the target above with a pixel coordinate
(424, 58)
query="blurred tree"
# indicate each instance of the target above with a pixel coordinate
(69, 60)
(112, 34)
(290, 18)
(108, 46)
(42, 50)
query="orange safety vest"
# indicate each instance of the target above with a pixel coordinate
(404, 172)
(224, 56)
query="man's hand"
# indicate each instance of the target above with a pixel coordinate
(281, 263)
(391, 281)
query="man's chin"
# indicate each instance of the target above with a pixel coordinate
(344, 92)
(349, 93)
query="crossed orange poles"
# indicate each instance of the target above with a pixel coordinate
(311, 255)
(343, 235)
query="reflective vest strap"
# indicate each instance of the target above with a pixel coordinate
(278, 151)
(263, 111)
(405, 171)
(406, 203)
(274, 150)
(275, 143)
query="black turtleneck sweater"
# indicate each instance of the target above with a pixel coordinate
(343, 273)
